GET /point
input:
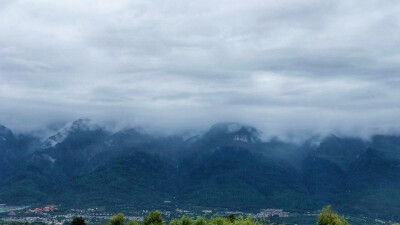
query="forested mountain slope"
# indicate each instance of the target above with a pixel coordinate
(229, 166)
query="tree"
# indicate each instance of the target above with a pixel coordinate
(133, 222)
(232, 218)
(186, 220)
(328, 217)
(200, 221)
(78, 221)
(117, 220)
(154, 218)
(175, 222)
(216, 221)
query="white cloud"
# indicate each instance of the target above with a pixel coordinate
(279, 65)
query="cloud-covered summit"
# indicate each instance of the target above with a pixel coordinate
(282, 66)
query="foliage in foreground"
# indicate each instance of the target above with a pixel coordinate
(155, 218)
(78, 221)
(117, 220)
(327, 217)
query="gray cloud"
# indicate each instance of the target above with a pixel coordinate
(283, 66)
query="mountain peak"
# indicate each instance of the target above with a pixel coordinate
(235, 132)
(232, 127)
(82, 124)
(5, 133)
(63, 133)
(129, 136)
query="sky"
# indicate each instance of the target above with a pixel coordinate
(286, 67)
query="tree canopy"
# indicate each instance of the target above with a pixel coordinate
(78, 221)
(154, 218)
(117, 220)
(328, 217)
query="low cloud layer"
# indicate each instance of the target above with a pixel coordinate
(285, 67)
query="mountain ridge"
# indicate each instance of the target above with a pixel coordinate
(228, 166)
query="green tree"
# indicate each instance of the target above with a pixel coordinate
(248, 221)
(186, 220)
(216, 221)
(175, 222)
(200, 221)
(133, 222)
(78, 221)
(328, 217)
(117, 219)
(232, 218)
(154, 218)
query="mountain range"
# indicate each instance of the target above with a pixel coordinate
(229, 166)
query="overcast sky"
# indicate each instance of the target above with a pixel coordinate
(284, 66)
